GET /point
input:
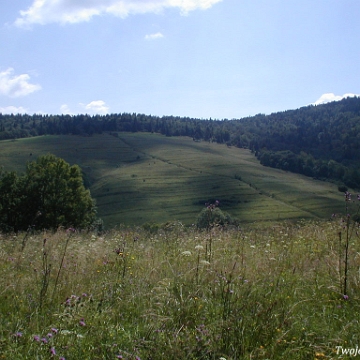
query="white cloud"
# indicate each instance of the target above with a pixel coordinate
(96, 107)
(64, 109)
(328, 97)
(16, 85)
(73, 11)
(155, 36)
(13, 110)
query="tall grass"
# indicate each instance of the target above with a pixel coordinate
(269, 292)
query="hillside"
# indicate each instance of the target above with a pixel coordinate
(321, 141)
(141, 177)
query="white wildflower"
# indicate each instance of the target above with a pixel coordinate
(186, 253)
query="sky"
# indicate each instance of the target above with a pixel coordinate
(219, 59)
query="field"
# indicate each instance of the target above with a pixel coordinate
(282, 284)
(141, 177)
(259, 292)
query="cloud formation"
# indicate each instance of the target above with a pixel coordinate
(328, 97)
(97, 107)
(16, 85)
(13, 110)
(65, 110)
(73, 11)
(155, 36)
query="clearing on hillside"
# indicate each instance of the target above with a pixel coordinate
(142, 177)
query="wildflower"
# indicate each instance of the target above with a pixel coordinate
(199, 247)
(36, 338)
(118, 251)
(186, 253)
(54, 330)
(18, 334)
(52, 351)
(49, 335)
(347, 196)
(61, 358)
(82, 322)
(346, 297)
(44, 340)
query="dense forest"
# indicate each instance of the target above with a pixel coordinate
(320, 141)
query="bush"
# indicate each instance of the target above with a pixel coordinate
(212, 216)
(342, 188)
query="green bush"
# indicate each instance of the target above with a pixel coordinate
(211, 216)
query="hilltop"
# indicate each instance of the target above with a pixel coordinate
(317, 141)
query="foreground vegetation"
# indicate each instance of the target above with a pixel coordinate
(266, 291)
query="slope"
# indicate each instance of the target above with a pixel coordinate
(143, 177)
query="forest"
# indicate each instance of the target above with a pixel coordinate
(318, 141)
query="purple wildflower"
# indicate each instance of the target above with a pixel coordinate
(347, 196)
(18, 334)
(52, 351)
(36, 338)
(54, 330)
(82, 322)
(346, 297)
(44, 340)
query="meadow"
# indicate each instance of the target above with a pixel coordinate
(263, 291)
(281, 284)
(142, 177)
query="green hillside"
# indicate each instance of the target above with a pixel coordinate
(143, 177)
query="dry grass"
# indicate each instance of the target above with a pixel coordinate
(264, 292)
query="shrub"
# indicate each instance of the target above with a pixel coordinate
(212, 216)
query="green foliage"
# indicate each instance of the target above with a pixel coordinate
(318, 141)
(269, 292)
(342, 188)
(180, 176)
(152, 228)
(50, 194)
(210, 217)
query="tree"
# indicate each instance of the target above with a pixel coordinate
(49, 195)
(11, 198)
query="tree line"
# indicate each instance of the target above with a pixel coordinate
(321, 141)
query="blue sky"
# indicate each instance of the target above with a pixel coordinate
(197, 58)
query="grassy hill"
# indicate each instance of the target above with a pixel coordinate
(143, 177)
